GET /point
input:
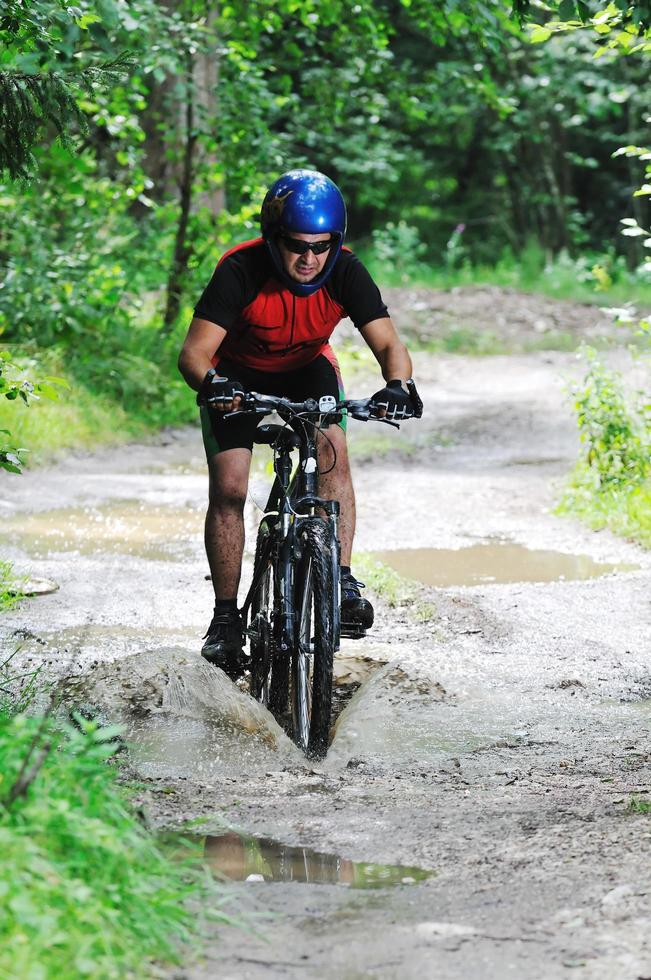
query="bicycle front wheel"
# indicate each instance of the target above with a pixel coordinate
(269, 668)
(317, 626)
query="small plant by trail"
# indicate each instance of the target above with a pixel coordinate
(611, 485)
(615, 432)
(86, 889)
(10, 587)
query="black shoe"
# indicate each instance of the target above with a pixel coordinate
(356, 613)
(224, 642)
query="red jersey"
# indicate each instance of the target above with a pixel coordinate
(268, 327)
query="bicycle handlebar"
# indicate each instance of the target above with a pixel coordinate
(253, 403)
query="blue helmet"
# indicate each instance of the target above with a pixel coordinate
(307, 202)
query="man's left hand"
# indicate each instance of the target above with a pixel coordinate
(394, 401)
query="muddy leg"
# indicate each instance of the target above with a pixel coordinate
(224, 531)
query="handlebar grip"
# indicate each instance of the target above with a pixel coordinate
(416, 399)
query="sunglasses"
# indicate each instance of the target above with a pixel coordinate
(301, 248)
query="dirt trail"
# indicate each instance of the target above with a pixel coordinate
(497, 743)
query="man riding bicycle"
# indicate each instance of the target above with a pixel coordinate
(263, 324)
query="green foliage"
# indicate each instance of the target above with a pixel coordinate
(28, 103)
(18, 688)
(623, 509)
(16, 388)
(638, 805)
(630, 16)
(395, 590)
(617, 29)
(616, 435)
(611, 486)
(602, 279)
(86, 890)
(398, 246)
(10, 594)
(42, 73)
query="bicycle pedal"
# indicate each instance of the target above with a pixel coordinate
(352, 631)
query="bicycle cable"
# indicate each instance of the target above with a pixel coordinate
(317, 427)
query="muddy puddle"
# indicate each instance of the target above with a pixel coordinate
(130, 527)
(244, 858)
(494, 562)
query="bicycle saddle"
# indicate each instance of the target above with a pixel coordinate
(272, 434)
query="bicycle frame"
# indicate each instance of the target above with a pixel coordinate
(292, 497)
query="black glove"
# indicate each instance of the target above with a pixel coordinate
(217, 392)
(415, 399)
(398, 401)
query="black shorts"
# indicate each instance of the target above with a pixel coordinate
(320, 377)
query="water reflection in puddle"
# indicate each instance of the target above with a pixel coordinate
(243, 858)
(493, 562)
(121, 527)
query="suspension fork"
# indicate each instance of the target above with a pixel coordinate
(307, 501)
(277, 496)
(283, 487)
(286, 560)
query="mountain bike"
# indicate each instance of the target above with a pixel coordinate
(291, 613)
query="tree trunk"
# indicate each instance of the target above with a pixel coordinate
(182, 247)
(206, 76)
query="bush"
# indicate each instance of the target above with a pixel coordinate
(398, 246)
(615, 432)
(611, 485)
(85, 890)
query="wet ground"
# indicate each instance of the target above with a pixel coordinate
(492, 729)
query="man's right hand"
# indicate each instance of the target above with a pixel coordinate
(219, 394)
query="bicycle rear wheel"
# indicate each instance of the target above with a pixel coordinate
(269, 669)
(317, 636)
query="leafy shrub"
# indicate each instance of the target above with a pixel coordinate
(398, 245)
(611, 485)
(615, 432)
(85, 889)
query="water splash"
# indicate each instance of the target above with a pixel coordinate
(401, 715)
(182, 716)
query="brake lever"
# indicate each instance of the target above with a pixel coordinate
(248, 411)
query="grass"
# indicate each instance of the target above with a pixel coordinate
(636, 805)
(624, 510)
(85, 889)
(393, 588)
(86, 415)
(601, 280)
(611, 486)
(76, 420)
(10, 591)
